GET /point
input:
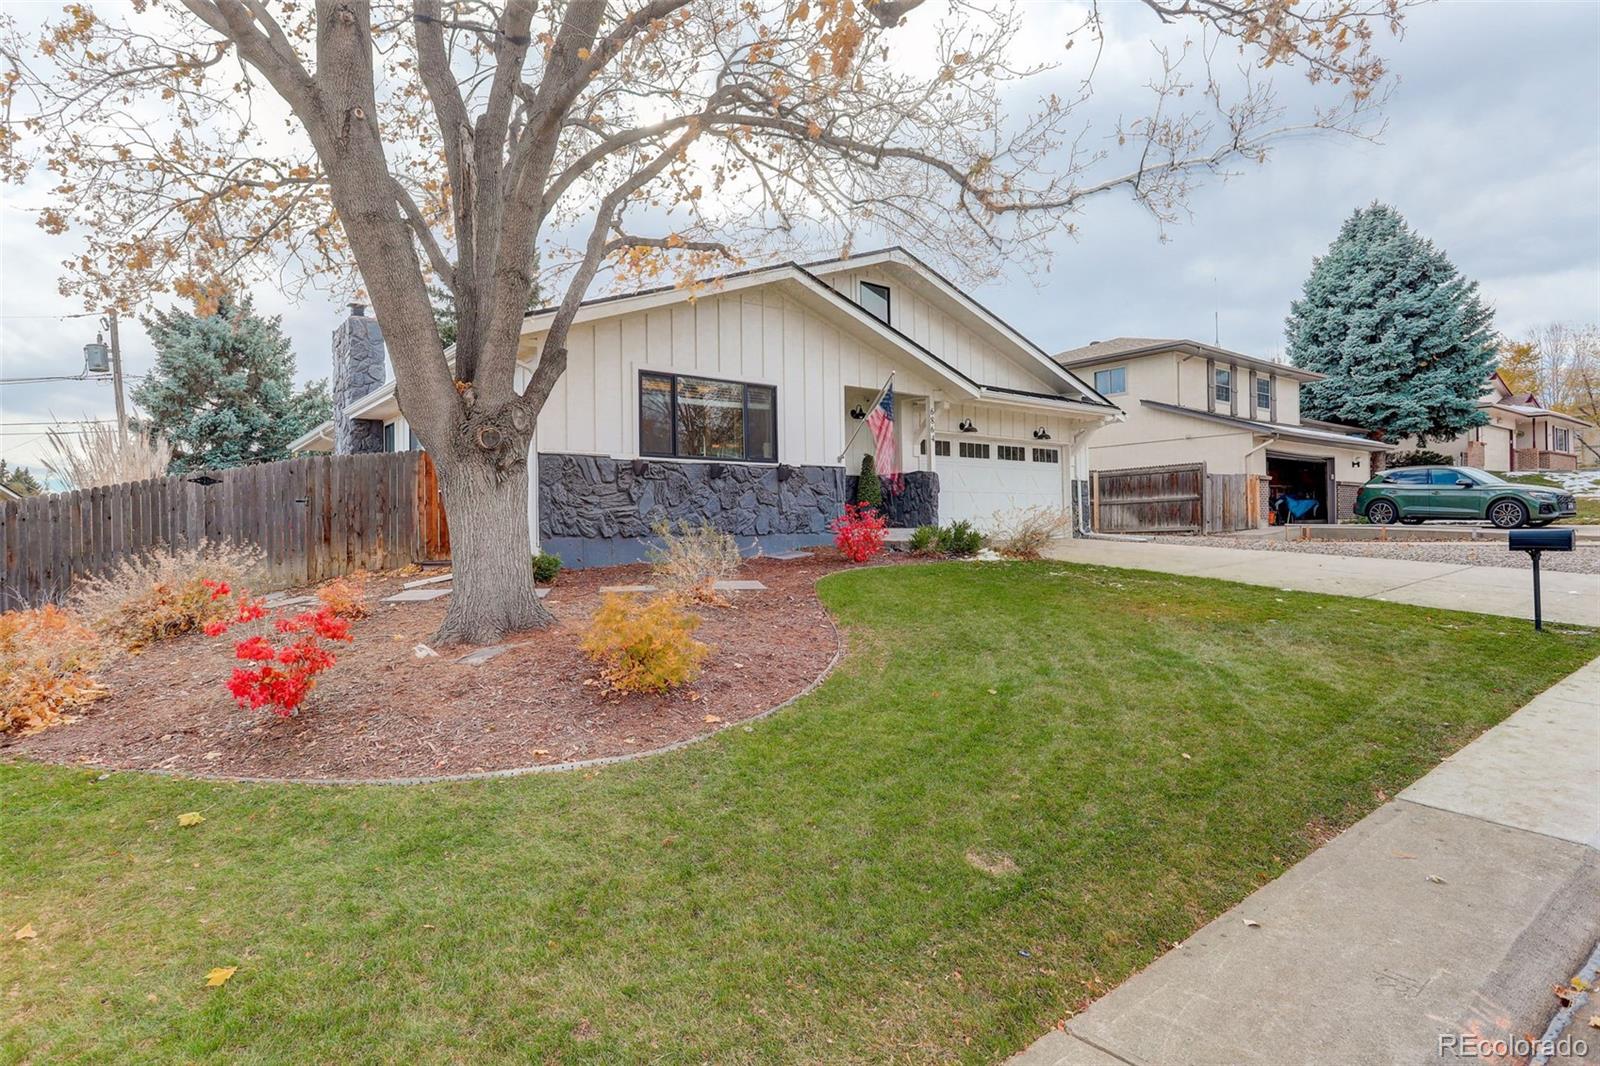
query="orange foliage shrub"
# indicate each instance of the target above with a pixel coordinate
(47, 658)
(644, 647)
(346, 597)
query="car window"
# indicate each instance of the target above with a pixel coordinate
(1408, 477)
(1447, 477)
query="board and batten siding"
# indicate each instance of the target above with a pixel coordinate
(756, 336)
(930, 325)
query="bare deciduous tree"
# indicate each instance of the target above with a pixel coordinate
(203, 144)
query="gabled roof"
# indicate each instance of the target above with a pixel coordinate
(1276, 429)
(1140, 347)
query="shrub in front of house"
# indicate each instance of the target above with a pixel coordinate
(286, 658)
(47, 661)
(160, 596)
(860, 532)
(546, 567)
(346, 597)
(959, 538)
(647, 647)
(691, 559)
(1420, 457)
(924, 540)
(1024, 533)
(869, 490)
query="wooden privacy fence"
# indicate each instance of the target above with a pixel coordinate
(1149, 499)
(310, 519)
(1174, 499)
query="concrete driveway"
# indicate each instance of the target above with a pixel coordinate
(1570, 598)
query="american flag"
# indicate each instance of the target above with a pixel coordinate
(881, 422)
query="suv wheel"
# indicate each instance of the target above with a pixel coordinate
(1508, 514)
(1382, 512)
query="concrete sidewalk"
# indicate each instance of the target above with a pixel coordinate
(1571, 598)
(1449, 911)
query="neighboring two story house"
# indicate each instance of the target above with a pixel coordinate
(1522, 434)
(1190, 403)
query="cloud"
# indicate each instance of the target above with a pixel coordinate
(1492, 147)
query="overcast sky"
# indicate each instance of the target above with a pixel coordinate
(1492, 150)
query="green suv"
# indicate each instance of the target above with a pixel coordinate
(1414, 494)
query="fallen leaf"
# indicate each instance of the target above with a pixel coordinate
(1436, 879)
(1186, 756)
(25, 933)
(713, 719)
(219, 976)
(1580, 984)
(1563, 994)
(1594, 1021)
(994, 692)
(1251, 923)
(190, 819)
(541, 751)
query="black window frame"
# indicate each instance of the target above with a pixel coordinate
(1053, 453)
(1222, 384)
(879, 289)
(1020, 453)
(671, 378)
(979, 448)
(941, 448)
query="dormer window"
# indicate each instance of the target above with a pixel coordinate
(875, 300)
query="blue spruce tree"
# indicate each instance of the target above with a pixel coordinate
(1402, 336)
(222, 390)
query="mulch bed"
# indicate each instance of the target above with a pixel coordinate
(384, 713)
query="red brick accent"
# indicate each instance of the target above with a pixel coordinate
(1538, 459)
(1475, 453)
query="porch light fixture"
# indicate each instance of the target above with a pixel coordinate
(858, 412)
(1041, 434)
(966, 426)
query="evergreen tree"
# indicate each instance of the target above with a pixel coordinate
(869, 489)
(222, 390)
(1402, 336)
(19, 479)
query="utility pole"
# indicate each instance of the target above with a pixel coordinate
(116, 376)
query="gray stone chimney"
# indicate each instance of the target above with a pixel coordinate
(358, 355)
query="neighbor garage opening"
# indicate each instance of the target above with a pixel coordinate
(1300, 489)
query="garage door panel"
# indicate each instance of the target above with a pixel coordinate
(979, 484)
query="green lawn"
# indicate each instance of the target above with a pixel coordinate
(798, 892)
(1588, 509)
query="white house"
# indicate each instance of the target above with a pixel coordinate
(743, 401)
(1522, 434)
(1190, 403)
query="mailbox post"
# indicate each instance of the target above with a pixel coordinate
(1536, 542)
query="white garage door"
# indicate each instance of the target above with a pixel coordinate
(977, 479)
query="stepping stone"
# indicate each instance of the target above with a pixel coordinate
(541, 593)
(273, 603)
(625, 589)
(416, 595)
(483, 655)
(791, 555)
(428, 581)
(738, 586)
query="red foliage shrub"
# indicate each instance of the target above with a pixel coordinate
(860, 532)
(285, 672)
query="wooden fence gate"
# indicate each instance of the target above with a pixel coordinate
(1174, 499)
(310, 519)
(1149, 499)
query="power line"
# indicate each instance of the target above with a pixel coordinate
(81, 314)
(64, 377)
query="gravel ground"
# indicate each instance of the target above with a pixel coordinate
(1585, 560)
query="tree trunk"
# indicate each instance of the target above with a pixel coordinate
(493, 591)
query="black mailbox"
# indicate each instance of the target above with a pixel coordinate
(1546, 540)
(1536, 542)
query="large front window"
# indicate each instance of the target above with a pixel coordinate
(703, 418)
